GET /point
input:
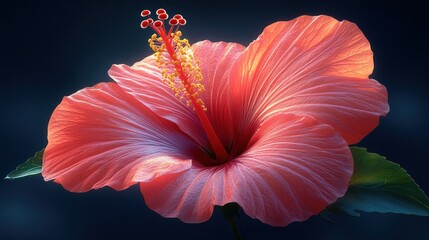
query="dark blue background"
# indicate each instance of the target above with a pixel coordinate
(53, 48)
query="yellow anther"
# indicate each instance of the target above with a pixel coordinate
(185, 78)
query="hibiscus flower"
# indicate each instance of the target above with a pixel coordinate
(265, 126)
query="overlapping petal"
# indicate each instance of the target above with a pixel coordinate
(314, 65)
(293, 168)
(102, 136)
(215, 61)
(143, 80)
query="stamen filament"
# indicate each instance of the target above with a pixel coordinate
(221, 154)
(185, 68)
(219, 150)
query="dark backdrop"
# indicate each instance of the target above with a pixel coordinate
(53, 48)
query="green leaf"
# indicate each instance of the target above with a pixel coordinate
(378, 185)
(32, 166)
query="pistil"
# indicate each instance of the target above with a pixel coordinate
(180, 71)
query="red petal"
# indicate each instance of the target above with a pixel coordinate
(310, 58)
(144, 81)
(215, 61)
(293, 168)
(351, 105)
(101, 136)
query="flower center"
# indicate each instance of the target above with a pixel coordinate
(181, 71)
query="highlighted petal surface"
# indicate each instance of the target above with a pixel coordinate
(314, 65)
(294, 167)
(102, 136)
(215, 61)
(143, 80)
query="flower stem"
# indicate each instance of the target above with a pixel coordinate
(234, 228)
(230, 212)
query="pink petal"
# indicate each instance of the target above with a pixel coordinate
(351, 105)
(101, 136)
(215, 61)
(153, 168)
(310, 58)
(143, 80)
(293, 168)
